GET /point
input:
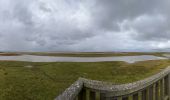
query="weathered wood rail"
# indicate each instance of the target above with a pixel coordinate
(156, 87)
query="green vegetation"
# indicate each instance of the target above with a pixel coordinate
(44, 81)
(95, 54)
(84, 54)
(9, 54)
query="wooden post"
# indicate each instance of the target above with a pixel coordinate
(154, 89)
(162, 89)
(166, 85)
(157, 91)
(169, 85)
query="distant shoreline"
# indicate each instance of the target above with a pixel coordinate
(84, 54)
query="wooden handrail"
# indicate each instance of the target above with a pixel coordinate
(111, 90)
(124, 89)
(71, 92)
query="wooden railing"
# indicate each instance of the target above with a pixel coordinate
(156, 87)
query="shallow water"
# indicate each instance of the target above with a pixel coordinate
(166, 55)
(34, 58)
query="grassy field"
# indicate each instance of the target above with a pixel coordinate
(87, 54)
(84, 54)
(9, 54)
(44, 81)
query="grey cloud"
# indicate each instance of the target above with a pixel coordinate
(107, 13)
(84, 25)
(149, 27)
(44, 7)
(23, 15)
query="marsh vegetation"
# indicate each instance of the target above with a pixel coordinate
(44, 81)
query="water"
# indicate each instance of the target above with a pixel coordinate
(166, 55)
(34, 58)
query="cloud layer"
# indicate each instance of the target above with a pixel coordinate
(84, 25)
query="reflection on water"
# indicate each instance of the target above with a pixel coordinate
(33, 58)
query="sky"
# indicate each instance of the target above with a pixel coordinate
(85, 25)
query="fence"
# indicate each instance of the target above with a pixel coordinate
(156, 87)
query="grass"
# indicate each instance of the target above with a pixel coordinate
(44, 81)
(9, 54)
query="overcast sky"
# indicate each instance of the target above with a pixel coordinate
(84, 25)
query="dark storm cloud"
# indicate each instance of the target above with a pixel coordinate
(149, 27)
(84, 25)
(148, 18)
(22, 14)
(107, 13)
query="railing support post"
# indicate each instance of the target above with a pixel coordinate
(169, 85)
(150, 90)
(157, 96)
(162, 89)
